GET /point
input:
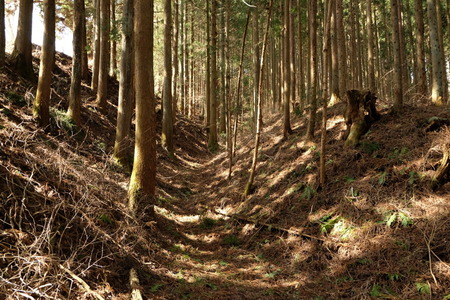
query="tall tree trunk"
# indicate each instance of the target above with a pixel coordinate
(2, 33)
(122, 144)
(208, 70)
(341, 47)
(113, 47)
(222, 117)
(42, 101)
(370, 55)
(292, 70)
(21, 56)
(301, 78)
(326, 77)
(97, 29)
(401, 32)
(74, 110)
(313, 69)
(212, 137)
(182, 55)
(334, 58)
(175, 65)
(437, 80)
(286, 88)
(256, 61)
(420, 74)
(167, 122)
(102, 90)
(143, 177)
(84, 56)
(443, 64)
(398, 86)
(249, 184)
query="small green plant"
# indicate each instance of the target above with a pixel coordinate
(208, 223)
(403, 244)
(62, 120)
(16, 99)
(399, 153)
(154, 288)
(369, 148)
(375, 291)
(364, 261)
(348, 179)
(271, 274)
(391, 217)
(176, 248)
(423, 288)
(223, 263)
(231, 240)
(105, 219)
(308, 192)
(413, 177)
(382, 178)
(393, 276)
(327, 223)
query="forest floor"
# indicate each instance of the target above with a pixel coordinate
(376, 230)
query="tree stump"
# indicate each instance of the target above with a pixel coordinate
(360, 113)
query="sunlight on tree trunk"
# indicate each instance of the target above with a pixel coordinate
(74, 110)
(21, 56)
(143, 177)
(122, 144)
(42, 101)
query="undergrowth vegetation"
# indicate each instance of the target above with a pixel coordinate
(378, 229)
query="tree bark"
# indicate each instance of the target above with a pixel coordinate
(256, 61)
(113, 41)
(286, 63)
(96, 63)
(167, 122)
(212, 137)
(42, 101)
(222, 117)
(143, 176)
(84, 56)
(2, 33)
(370, 55)
(122, 144)
(175, 66)
(313, 70)
(21, 56)
(420, 74)
(398, 82)
(437, 80)
(326, 77)
(74, 110)
(334, 59)
(104, 56)
(342, 52)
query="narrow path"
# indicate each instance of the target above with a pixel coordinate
(213, 255)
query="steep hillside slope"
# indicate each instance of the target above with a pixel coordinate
(376, 230)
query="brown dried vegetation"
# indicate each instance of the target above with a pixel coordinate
(376, 230)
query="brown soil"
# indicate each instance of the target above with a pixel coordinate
(376, 230)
